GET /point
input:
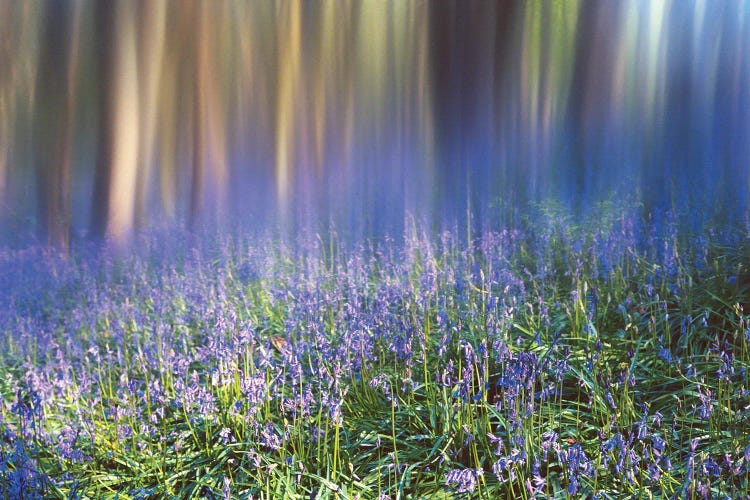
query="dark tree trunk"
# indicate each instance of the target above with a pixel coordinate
(104, 45)
(54, 112)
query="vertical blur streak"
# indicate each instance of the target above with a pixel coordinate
(342, 113)
(125, 116)
(297, 113)
(423, 104)
(5, 141)
(323, 69)
(371, 76)
(210, 176)
(289, 105)
(20, 26)
(530, 67)
(54, 123)
(655, 52)
(151, 17)
(199, 114)
(170, 121)
(6, 94)
(216, 111)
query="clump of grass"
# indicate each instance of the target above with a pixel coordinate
(550, 359)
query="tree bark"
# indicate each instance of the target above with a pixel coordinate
(54, 116)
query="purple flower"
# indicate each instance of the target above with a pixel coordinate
(463, 480)
(613, 443)
(577, 464)
(659, 444)
(549, 441)
(225, 435)
(226, 489)
(706, 407)
(665, 354)
(270, 438)
(381, 382)
(573, 486)
(124, 432)
(710, 467)
(498, 442)
(654, 472)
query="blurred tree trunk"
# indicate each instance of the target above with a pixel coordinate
(151, 24)
(117, 156)
(582, 110)
(54, 120)
(104, 42)
(199, 91)
(7, 92)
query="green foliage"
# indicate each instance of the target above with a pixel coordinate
(551, 361)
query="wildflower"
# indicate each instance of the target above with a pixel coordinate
(657, 418)
(703, 490)
(469, 437)
(576, 462)
(659, 444)
(381, 382)
(270, 438)
(141, 493)
(500, 466)
(498, 442)
(225, 435)
(711, 468)
(124, 432)
(549, 440)
(706, 407)
(654, 472)
(611, 400)
(463, 480)
(666, 355)
(573, 486)
(536, 476)
(615, 442)
(226, 490)
(726, 370)
(693, 445)
(66, 446)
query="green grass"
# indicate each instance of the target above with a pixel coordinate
(552, 360)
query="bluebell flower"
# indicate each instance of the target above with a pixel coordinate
(463, 480)
(225, 436)
(665, 354)
(124, 432)
(659, 444)
(573, 485)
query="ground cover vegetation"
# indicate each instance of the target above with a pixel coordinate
(603, 359)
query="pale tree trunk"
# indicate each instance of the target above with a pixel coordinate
(199, 146)
(209, 173)
(152, 16)
(289, 107)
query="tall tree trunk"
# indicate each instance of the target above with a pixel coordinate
(200, 89)
(54, 115)
(152, 16)
(116, 169)
(104, 42)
